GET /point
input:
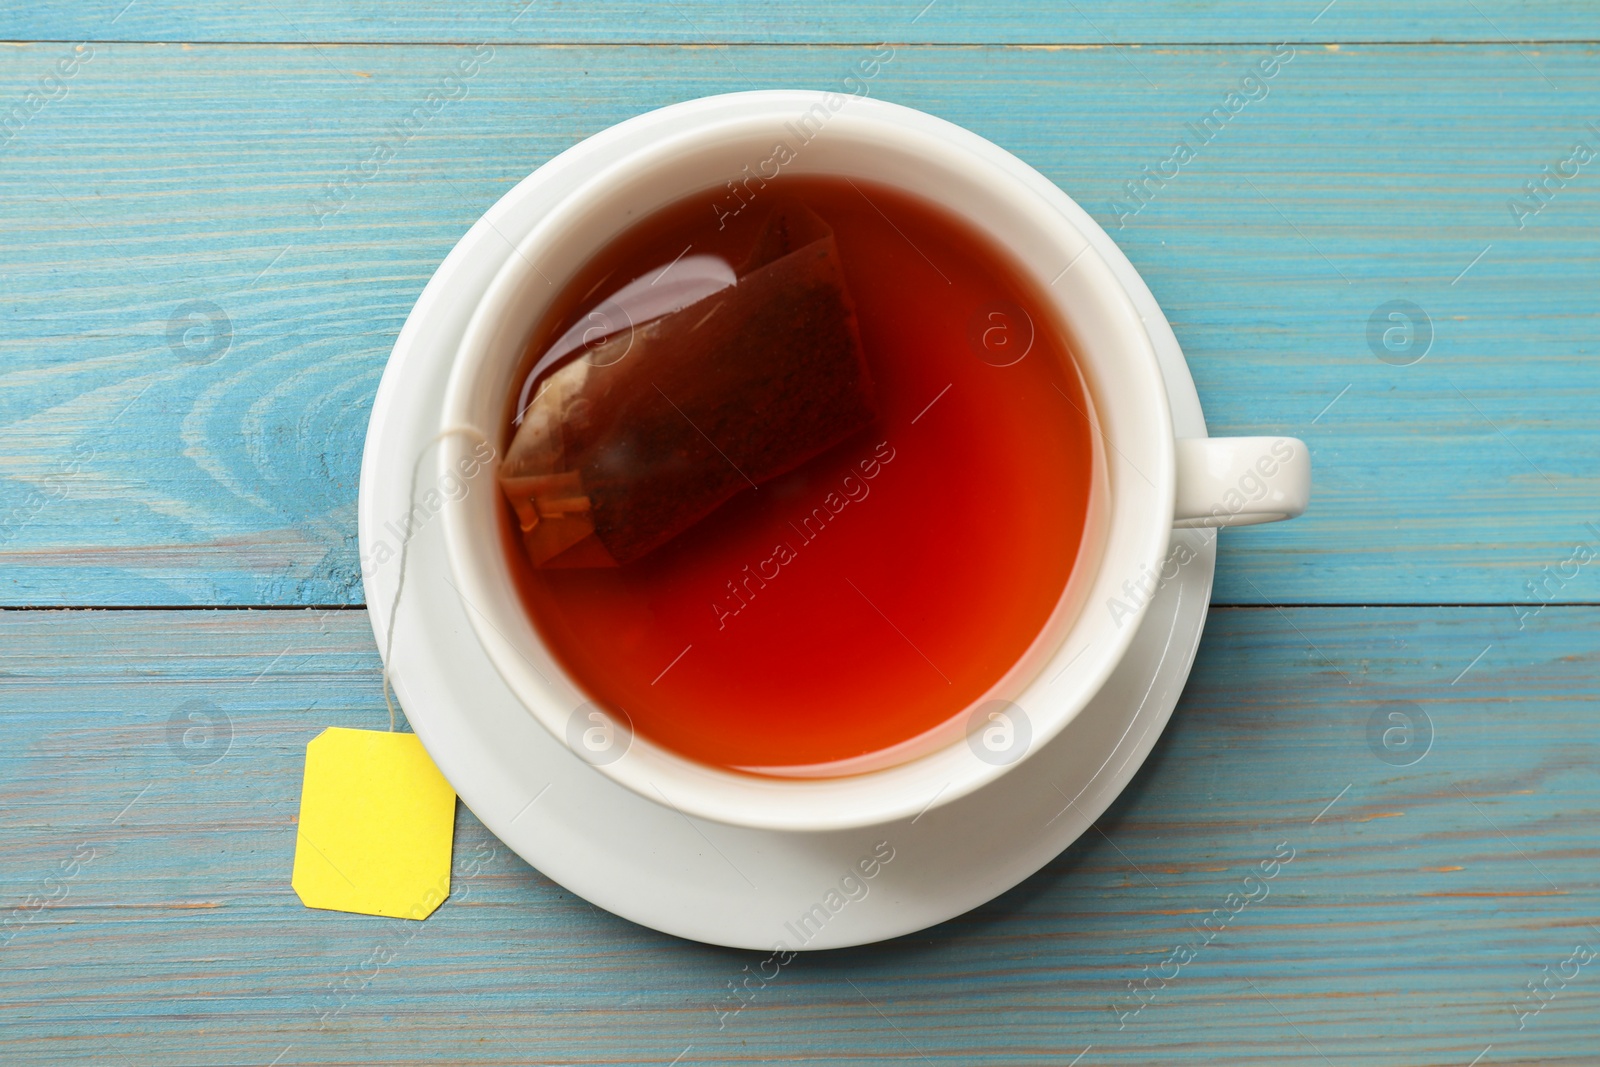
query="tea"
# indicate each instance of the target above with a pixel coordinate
(732, 378)
(795, 483)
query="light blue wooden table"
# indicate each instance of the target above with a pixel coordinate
(189, 360)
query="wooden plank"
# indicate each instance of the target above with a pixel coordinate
(1419, 902)
(164, 178)
(744, 21)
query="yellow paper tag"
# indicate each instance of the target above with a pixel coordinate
(376, 823)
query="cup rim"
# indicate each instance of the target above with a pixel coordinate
(731, 797)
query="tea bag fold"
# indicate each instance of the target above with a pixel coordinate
(658, 424)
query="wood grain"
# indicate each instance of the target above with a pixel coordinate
(186, 374)
(137, 470)
(1415, 909)
(861, 21)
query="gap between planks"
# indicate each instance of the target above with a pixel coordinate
(1095, 45)
(1310, 605)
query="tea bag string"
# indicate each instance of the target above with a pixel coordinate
(405, 551)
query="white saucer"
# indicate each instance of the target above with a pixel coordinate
(645, 862)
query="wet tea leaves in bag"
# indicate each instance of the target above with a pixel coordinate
(656, 425)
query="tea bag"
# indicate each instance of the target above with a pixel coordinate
(661, 420)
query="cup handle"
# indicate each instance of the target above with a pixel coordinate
(1240, 481)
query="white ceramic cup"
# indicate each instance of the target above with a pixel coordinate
(1148, 481)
